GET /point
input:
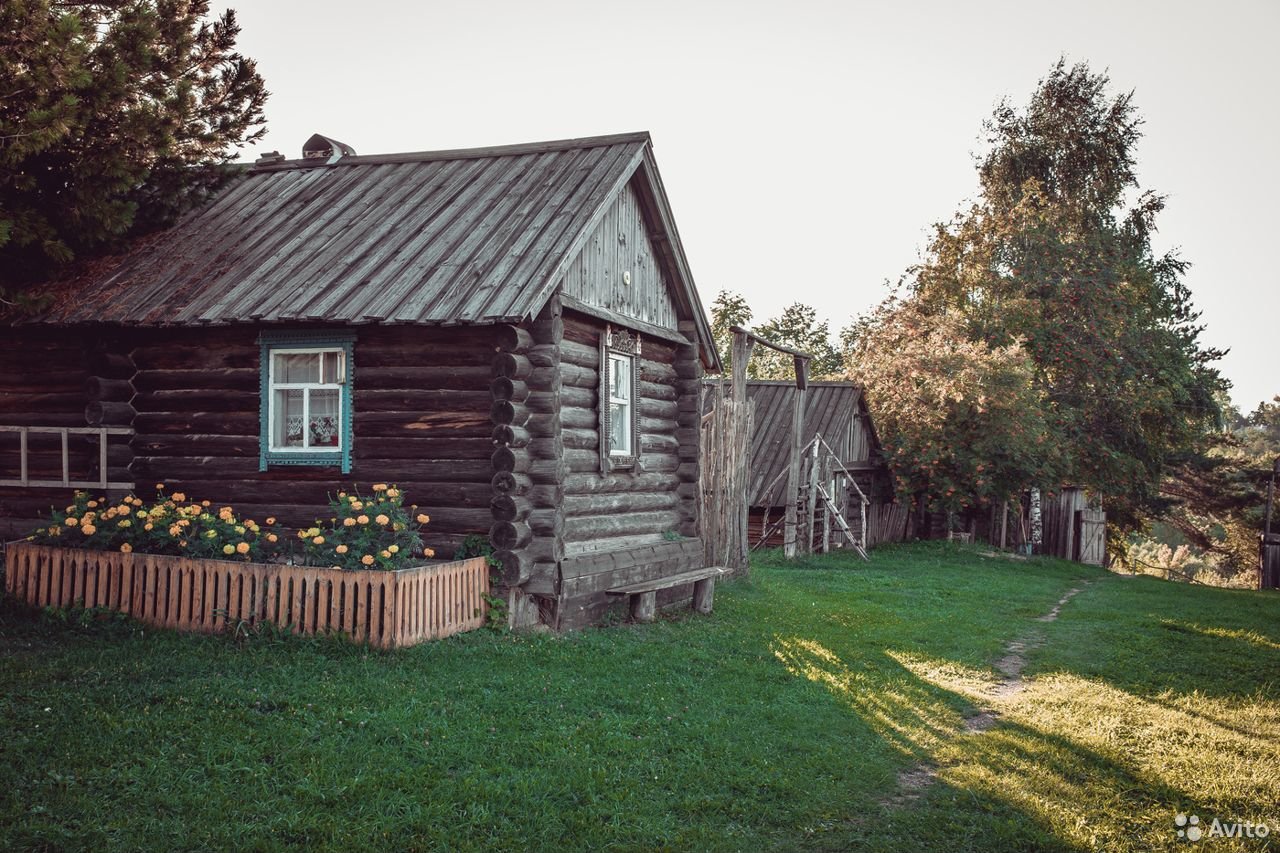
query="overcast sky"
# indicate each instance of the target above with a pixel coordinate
(807, 146)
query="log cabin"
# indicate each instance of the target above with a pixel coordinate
(510, 334)
(838, 412)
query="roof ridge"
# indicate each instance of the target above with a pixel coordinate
(512, 150)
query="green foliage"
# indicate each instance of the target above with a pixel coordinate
(797, 327)
(1050, 259)
(115, 117)
(476, 545)
(962, 420)
(165, 525)
(1215, 496)
(367, 532)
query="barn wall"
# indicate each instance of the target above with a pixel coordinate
(620, 244)
(421, 420)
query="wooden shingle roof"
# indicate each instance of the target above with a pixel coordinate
(445, 237)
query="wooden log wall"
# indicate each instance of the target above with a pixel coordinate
(55, 377)
(660, 495)
(421, 401)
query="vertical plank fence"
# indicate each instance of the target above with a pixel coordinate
(384, 609)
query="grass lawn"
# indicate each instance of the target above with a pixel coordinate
(781, 722)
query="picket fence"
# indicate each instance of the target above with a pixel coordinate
(384, 609)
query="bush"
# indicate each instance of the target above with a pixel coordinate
(367, 532)
(166, 525)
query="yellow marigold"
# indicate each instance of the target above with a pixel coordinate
(142, 513)
(211, 534)
(271, 537)
(88, 529)
(126, 548)
(379, 487)
(384, 554)
(239, 528)
(428, 552)
(394, 549)
(242, 547)
(398, 526)
(271, 521)
(178, 497)
(228, 549)
(342, 549)
(382, 519)
(367, 559)
(317, 540)
(72, 521)
(124, 522)
(348, 522)
(363, 519)
(423, 518)
(302, 534)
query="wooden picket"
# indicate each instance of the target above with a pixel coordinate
(385, 609)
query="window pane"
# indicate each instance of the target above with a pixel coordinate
(286, 427)
(620, 378)
(619, 428)
(329, 367)
(324, 418)
(297, 367)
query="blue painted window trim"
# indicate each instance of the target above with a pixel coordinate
(328, 339)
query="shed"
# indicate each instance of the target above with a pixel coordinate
(511, 334)
(838, 412)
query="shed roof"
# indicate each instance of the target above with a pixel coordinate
(477, 235)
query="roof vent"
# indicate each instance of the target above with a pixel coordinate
(323, 148)
(268, 158)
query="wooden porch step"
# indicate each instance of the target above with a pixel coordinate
(644, 595)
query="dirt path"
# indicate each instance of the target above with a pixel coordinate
(917, 778)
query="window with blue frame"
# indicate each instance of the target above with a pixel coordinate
(306, 399)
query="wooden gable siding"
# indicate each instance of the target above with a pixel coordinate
(421, 420)
(621, 244)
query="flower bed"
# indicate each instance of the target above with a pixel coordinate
(185, 564)
(388, 609)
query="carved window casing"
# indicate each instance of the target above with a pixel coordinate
(619, 399)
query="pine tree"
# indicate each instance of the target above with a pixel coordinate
(114, 118)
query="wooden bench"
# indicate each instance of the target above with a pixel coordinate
(644, 595)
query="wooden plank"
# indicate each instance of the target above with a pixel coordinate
(670, 581)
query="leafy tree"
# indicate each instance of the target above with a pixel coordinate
(797, 327)
(1050, 257)
(1216, 497)
(963, 421)
(728, 310)
(114, 117)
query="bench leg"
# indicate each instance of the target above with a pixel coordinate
(704, 593)
(643, 606)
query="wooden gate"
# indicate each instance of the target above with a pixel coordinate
(1091, 536)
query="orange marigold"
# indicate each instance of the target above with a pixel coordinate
(242, 547)
(382, 519)
(367, 559)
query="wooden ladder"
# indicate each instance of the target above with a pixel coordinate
(843, 525)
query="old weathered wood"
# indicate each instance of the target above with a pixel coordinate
(791, 520)
(387, 609)
(105, 412)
